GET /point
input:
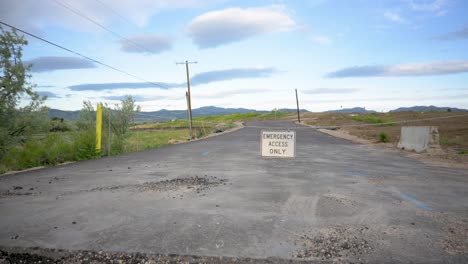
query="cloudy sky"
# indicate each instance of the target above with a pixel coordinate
(253, 53)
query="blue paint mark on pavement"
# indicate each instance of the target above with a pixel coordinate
(415, 202)
(205, 153)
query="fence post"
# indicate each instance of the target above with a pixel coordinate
(98, 128)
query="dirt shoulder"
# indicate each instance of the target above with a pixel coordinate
(439, 158)
(38, 255)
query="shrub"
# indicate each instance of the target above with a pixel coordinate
(383, 137)
(118, 145)
(85, 145)
(370, 119)
(51, 150)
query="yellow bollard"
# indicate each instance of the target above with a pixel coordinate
(98, 128)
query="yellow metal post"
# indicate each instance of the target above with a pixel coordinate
(98, 127)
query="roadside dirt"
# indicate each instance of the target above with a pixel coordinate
(366, 128)
(441, 158)
(46, 256)
(455, 239)
(336, 244)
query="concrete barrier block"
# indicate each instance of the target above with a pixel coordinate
(419, 138)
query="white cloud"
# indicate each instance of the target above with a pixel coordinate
(33, 15)
(395, 17)
(54, 63)
(220, 27)
(146, 44)
(322, 40)
(228, 93)
(414, 69)
(455, 35)
(427, 5)
(330, 91)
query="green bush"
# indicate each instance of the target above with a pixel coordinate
(383, 137)
(370, 119)
(84, 145)
(118, 144)
(59, 125)
(58, 149)
(51, 150)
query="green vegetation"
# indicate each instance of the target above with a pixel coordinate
(451, 141)
(383, 137)
(57, 141)
(17, 124)
(368, 118)
(29, 138)
(53, 149)
(463, 152)
(243, 117)
(373, 119)
(63, 141)
(141, 140)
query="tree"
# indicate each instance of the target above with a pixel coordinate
(14, 84)
(87, 118)
(123, 115)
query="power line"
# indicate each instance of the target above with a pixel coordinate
(81, 55)
(69, 8)
(115, 12)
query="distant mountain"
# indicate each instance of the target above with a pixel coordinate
(213, 110)
(428, 109)
(359, 110)
(292, 110)
(67, 115)
(163, 114)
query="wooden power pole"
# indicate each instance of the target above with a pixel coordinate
(297, 103)
(189, 98)
(189, 114)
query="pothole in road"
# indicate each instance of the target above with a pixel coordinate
(195, 184)
(175, 187)
(334, 244)
(19, 191)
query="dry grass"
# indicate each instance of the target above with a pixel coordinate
(453, 131)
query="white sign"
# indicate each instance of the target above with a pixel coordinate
(278, 144)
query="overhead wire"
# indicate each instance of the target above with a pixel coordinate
(71, 9)
(113, 11)
(81, 55)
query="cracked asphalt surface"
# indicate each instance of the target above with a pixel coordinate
(336, 201)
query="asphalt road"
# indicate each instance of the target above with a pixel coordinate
(336, 200)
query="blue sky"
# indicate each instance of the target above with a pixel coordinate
(375, 54)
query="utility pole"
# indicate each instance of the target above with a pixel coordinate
(188, 91)
(297, 103)
(109, 135)
(188, 112)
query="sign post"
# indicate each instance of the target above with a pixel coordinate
(278, 144)
(98, 127)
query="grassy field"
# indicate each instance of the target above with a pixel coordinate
(210, 122)
(151, 135)
(57, 147)
(453, 131)
(146, 139)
